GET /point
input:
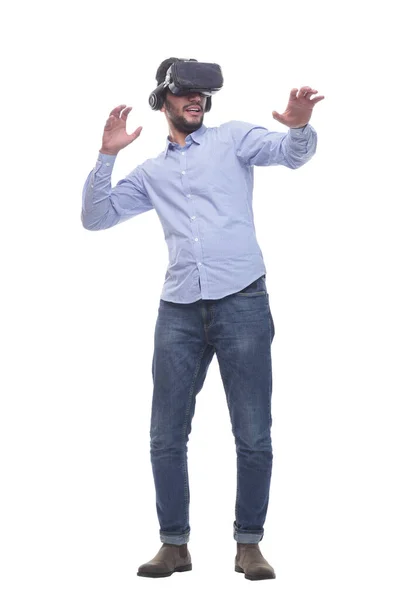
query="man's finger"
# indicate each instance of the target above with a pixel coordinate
(293, 94)
(304, 90)
(136, 133)
(115, 111)
(278, 117)
(126, 112)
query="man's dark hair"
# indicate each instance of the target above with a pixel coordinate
(163, 68)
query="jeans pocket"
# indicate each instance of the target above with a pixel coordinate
(257, 288)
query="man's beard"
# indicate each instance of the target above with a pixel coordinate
(179, 121)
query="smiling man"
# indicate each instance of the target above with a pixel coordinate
(183, 118)
(214, 299)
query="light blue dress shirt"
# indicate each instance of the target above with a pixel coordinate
(202, 193)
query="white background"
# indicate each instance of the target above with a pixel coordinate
(79, 308)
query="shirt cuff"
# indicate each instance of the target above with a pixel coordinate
(106, 159)
(300, 132)
(299, 128)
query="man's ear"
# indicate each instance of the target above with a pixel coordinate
(164, 99)
(162, 109)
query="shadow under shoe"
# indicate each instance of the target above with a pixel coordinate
(169, 559)
(251, 562)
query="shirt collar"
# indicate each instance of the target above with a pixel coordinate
(196, 136)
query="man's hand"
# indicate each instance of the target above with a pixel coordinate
(299, 109)
(115, 136)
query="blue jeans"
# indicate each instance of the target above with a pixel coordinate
(239, 329)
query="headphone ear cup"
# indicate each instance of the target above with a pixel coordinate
(156, 101)
(208, 104)
(157, 97)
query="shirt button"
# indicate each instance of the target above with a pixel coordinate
(183, 172)
(107, 164)
(193, 218)
(183, 153)
(91, 185)
(189, 195)
(200, 264)
(196, 239)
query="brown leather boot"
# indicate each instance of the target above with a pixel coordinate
(169, 559)
(251, 562)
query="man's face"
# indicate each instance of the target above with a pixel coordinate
(176, 110)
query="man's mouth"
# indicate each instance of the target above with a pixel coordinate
(194, 110)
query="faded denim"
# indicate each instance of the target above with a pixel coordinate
(239, 329)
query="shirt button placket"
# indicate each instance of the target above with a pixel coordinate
(197, 246)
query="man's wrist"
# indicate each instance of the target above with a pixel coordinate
(102, 151)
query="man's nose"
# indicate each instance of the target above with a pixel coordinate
(195, 95)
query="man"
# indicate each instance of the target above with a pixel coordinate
(214, 298)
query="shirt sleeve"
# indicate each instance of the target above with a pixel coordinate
(103, 206)
(257, 146)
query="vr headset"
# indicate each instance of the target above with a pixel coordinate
(185, 76)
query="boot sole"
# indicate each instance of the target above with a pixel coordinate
(177, 570)
(253, 577)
